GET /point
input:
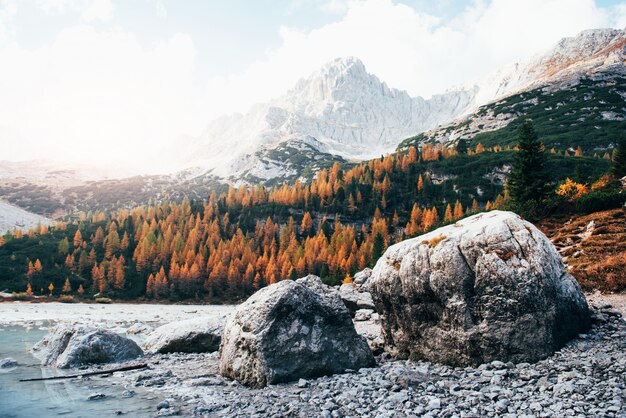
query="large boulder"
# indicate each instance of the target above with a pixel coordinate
(490, 287)
(72, 346)
(291, 330)
(196, 335)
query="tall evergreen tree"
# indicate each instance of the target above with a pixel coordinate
(618, 161)
(528, 182)
(379, 247)
(461, 146)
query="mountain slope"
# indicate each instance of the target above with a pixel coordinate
(15, 217)
(340, 110)
(575, 94)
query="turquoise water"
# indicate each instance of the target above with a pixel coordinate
(62, 398)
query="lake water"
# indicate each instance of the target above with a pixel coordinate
(63, 398)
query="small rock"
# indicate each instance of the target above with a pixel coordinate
(8, 363)
(434, 403)
(163, 405)
(302, 383)
(96, 396)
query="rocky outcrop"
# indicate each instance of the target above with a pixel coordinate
(490, 287)
(197, 335)
(291, 330)
(72, 346)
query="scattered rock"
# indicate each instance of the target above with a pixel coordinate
(291, 330)
(360, 279)
(8, 363)
(139, 328)
(365, 301)
(163, 405)
(490, 287)
(197, 335)
(349, 296)
(96, 396)
(363, 315)
(72, 346)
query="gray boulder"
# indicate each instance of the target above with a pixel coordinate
(8, 363)
(196, 335)
(349, 296)
(291, 330)
(72, 346)
(490, 287)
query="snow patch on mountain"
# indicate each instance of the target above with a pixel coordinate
(15, 217)
(340, 110)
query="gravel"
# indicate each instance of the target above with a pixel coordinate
(586, 378)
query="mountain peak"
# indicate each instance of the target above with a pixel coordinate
(344, 65)
(586, 43)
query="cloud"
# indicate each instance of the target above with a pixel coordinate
(8, 9)
(98, 10)
(161, 11)
(99, 97)
(103, 96)
(411, 50)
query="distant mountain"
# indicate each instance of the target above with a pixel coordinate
(339, 112)
(575, 94)
(343, 113)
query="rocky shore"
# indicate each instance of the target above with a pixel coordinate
(586, 378)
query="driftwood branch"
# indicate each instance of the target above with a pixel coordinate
(72, 376)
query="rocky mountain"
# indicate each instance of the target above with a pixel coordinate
(340, 111)
(574, 93)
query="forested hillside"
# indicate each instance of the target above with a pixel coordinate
(225, 248)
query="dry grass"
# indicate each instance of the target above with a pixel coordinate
(432, 243)
(597, 257)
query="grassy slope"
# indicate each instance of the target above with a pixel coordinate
(563, 119)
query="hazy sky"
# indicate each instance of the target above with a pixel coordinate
(113, 80)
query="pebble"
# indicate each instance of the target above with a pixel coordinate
(585, 378)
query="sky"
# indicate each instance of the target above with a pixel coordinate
(112, 82)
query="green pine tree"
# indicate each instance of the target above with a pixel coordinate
(461, 146)
(528, 183)
(618, 160)
(379, 247)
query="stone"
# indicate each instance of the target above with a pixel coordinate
(96, 396)
(73, 346)
(8, 363)
(163, 405)
(433, 404)
(349, 296)
(365, 301)
(490, 287)
(291, 330)
(196, 335)
(363, 315)
(360, 279)
(139, 328)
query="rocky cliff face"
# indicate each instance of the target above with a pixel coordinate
(341, 110)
